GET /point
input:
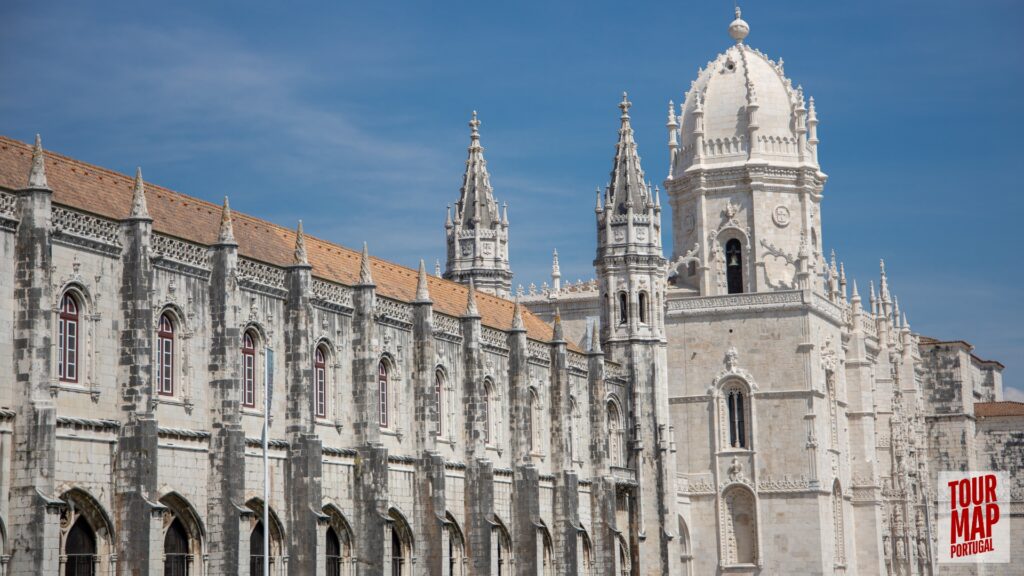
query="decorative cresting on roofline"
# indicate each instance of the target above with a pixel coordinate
(577, 363)
(181, 256)
(183, 434)
(538, 353)
(93, 233)
(613, 371)
(494, 340)
(97, 424)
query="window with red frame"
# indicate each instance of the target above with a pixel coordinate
(320, 376)
(67, 339)
(249, 370)
(439, 405)
(165, 356)
(382, 386)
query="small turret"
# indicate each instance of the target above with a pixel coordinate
(673, 136)
(556, 274)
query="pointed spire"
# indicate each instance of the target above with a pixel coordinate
(856, 293)
(517, 317)
(883, 287)
(595, 339)
(597, 206)
(906, 325)
(448, 217)
(557, 334)
(422, 290)
(872, 298)
(365, 273)
(37, 174)
(139, 209)
(504, 214)
(437, 267)
(476, 205)
(300, 247)
(471, 310)
(628, 186)
(227, 230)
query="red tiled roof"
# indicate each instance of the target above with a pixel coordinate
(106, 193)
(992, 409)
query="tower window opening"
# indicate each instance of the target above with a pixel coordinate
(642, 307)
(623, 308)
(734, 266)
(737, 423)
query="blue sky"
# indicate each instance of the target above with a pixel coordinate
(352, 116)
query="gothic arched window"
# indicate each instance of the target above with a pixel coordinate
(734, 266)
(320, 379)
(80, 549)
(165, 355)
(176, 550)
(642, 307)
(67, 339)
(740, 518)
(535, 423)
(249, 369)
(488, 406)
(256, 551)
(439, 399)
(333, 552)
(838, 532)
(623, 308)
(736, 404)
(382, 392)
(614, 435)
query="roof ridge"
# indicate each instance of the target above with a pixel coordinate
(239, 217)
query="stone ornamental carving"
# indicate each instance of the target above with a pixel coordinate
(781, 216)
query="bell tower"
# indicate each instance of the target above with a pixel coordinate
(477, 237)
(631, 274)
(744, 185)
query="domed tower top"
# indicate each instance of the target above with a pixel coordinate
(742, 107)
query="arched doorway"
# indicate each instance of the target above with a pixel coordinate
(398, 544)
(176, 550)
(256, 549)
(80, 550)
(338, 543)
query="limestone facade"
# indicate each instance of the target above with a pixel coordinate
(736, 408)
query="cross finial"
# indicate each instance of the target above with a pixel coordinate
(474, 126)
(625, 105)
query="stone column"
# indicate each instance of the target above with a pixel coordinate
(34, 520)
(479, 482)
(370, 490)
(228, 520)
(303, 479)
(602, 488)
(566, 505)
(526, 481)
(135, 466)
(430, 476)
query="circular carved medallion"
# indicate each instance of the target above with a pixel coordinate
(781, 216)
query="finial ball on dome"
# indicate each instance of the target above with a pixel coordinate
(738, 29)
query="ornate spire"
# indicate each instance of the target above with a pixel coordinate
(300, 247)
(595, 339)
(227, 229)
(883, 287)
(471, 309)
(556, 273)
(37, 174)
(517, 317)
(476, 205)
(627, 186)
(139, 209)
(365, 274)
(422, 290)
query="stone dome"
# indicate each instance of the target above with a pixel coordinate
(739, 85)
